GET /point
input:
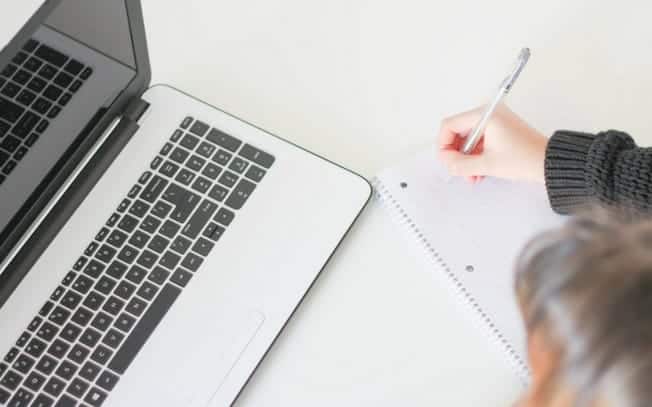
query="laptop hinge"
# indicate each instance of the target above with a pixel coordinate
(135, 110)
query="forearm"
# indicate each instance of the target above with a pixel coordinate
(608, 168)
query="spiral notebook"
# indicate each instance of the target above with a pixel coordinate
(470, 236)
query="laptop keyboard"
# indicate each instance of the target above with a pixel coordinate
(96, 321)
(34, 88)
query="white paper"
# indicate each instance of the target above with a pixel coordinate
(483, 226)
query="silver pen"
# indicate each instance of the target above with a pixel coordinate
(506, 85)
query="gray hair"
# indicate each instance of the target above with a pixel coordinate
(589, 286)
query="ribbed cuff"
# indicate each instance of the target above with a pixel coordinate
(565, 170)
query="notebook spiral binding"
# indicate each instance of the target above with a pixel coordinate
(401, 217)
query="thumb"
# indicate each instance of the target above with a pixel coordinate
(463, 165)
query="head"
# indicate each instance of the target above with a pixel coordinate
(585, 293)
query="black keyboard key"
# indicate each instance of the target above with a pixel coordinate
(66, 370)
(46, 308)
(11, 380)
(211, 171)
(3, 368)
(74, 67)
(125, 322)
(199, 219)
(113, 305)
(128, 223)
(192, 262)
(107, 380)
(156, 162)
(224, 216)
(106, 253)
(213, 231)
(159, 244)
(21, 398)
(144, 328)
(105, 285)
(201, 185)
(224, 140)
(147, 291)
(206, 149)
(64, 99)
(90, 337)
(238, 165)
(139, 209)
(91, 248)
(10, 89)
(94, 300)
(11, 355)
(116, 270)
(161, 209)
(10, 143)
(181, 277)
(59, 316)
(102, 234)
(102, 355)
(184, 201)
(34, 381)
(71, 300)
(159, 275)
(101, 322)
(26, 97)
(113, 219)
(22, 341)
(139, 239)
(30, 45)
(77, 388)
(185, 177)
(136, 306)
(46, 365)
(79, 264)
(36, 348)
(48, 72)
(134, 191)
(47, 331)
(4, 128)
(169, 169)
(125, 290)
(83, 284)
(42, 126)
(54, 112)
(54, 57)
(90, 371)
(9, 167)
(176, 135)
(181, 245)
(203, 246)
(170, 260)
(261, 158)
(37, 85)
(58, 349)
(94, 268)
(23, 364)
(113, 338)
(54, 387)
(150, 224)
(166, 149)
(128, 254)
(10, 111)
(117, 238)
(82, 317)
(147, 259)
(145, 177)
(189, 141)
(179, 155)
(78, 354)
(70, 332)
(86, 73)
(20, 153)
(22, 77)
(4, 396)
(240, 194)
(4, 157)
(199, 128)
(95, 397)
(154, 189)
(57, 293)
(33, 65)
(195, 163)
(186, 122)
(222, 157)
(52, 93)
(136, 274)
(19, 58)
(228, 179)
(42, 401)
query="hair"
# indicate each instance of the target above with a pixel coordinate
(588, 285)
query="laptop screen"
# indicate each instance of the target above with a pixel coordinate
(64, 78)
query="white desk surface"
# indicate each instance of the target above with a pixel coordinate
(365, 83)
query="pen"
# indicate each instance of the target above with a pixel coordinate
(504, 89)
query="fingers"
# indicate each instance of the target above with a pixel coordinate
(464, 165)
(457, 126)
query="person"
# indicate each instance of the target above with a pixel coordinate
(578, 169)
(585, 294)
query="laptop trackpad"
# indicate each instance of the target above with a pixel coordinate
(211, 355)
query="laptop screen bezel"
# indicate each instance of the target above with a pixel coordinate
(22, 260)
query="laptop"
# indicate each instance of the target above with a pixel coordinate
(152, 247)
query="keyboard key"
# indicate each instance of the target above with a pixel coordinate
(25, 126)
(64, 99)
(54, 387)
(71, 300)
(139, 209)
(9, 167)
(34, 381)
(186, 122)
(102, 355)
(156, 162)
(37, 85)
(4, 128)
(11, 89)
(147, 259)
(19, 58)
(58, 349)
(35, 348)
(125, 290)
(117, 238)
(170, 260)
(83, 284)
(195, 163)
(66, 370)
(77, 388)
(147, 291)
(42, 126)
(78, 354)
(181, 277)
(22, 341)
(213, 231)
(224, 216)
(33, 65)
(185, 202)
(50, 55)
(22, 77)
(228, 179)
(176, 135)
(128, 223)
(107, 380)
(201, 185)
(134, 191)
(47, 331)
(76, 85)
(169, 169)
(206, 149)
(112, 339)
(46, 365)
(238, 165)
(20, 153)
(192, 262)
(154, 189)
(150, 224)
(199, 128)
(94, 300)
(30, 45)
(10, 143)
(106, 253)
(105, 285)
(95, 397)
(240, 194)
(222, 157)
(71, 332)
(144, 328)
(59, 316)
(199, 219)
(102, 234)
(4, 396)
(224, 140)
(90, 337)
(181, 245)
(89, 371)
(10, 111)
(48, 72)
(11, 355)
(203, 246)
(74, 67)
(21, 398)
(82, 317)
(23, 364)
(11, 380)
(94, 268)
(52, 93)
(54, 112)
(57, 293)
(179, 155)
(166, 149)
(158, 275)
(26, 98)
(136, 306)
(101, 322)
(185, 177)
(113, 305)
(42, 401)
(139, 239)
(212, 171)
(261, 158)
(136, 274)
(169, 229)
(86, 73)
(189, 141)
(113, 219)
(159, 244)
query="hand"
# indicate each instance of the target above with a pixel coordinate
(509, 147)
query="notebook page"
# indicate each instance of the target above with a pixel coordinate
(477, 231)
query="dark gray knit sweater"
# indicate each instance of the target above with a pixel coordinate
(606, 168)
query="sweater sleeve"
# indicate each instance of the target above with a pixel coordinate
(607, 168)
